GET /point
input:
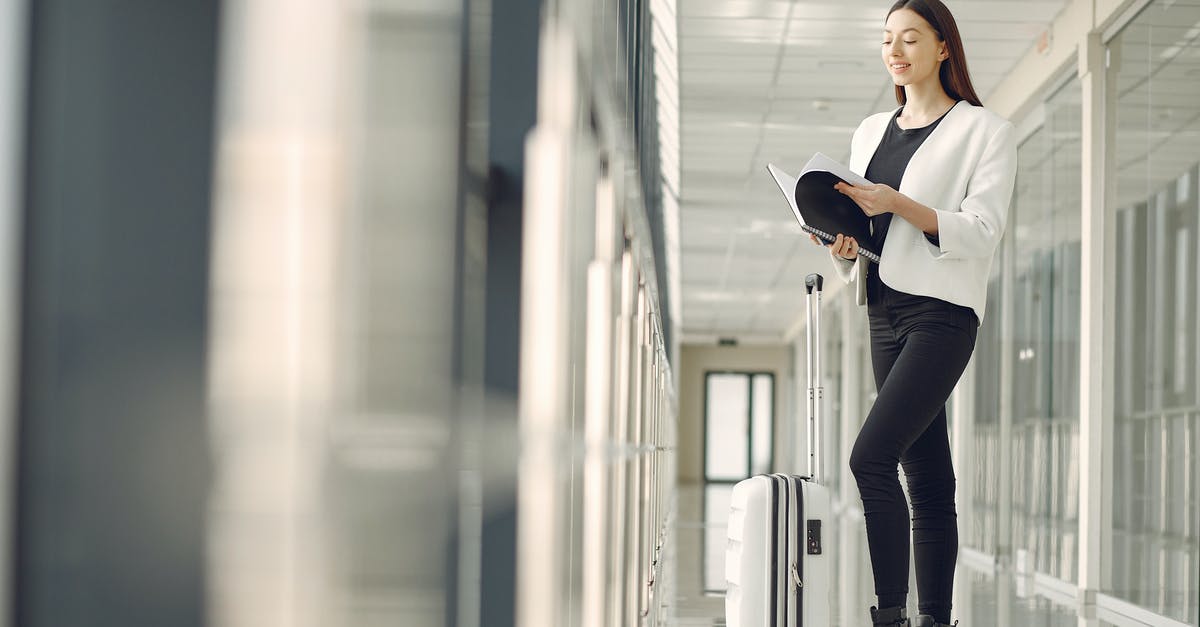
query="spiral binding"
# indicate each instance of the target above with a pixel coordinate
(829, 239)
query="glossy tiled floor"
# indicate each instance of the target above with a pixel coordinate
(982, 599)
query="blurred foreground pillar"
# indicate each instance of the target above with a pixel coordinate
(279, 206)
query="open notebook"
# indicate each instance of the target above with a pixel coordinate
(823, 210)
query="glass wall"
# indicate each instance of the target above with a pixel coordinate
(1044, 303)
(1155, 74)
(1033, 320)
(107, 211)
(977, 528)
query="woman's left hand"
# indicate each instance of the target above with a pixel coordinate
(874, 199)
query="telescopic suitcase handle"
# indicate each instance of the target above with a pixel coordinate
(814, 282)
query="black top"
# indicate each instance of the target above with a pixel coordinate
(887, 166)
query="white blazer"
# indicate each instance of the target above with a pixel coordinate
(965, 170)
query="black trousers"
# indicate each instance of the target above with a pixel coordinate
(919, 349)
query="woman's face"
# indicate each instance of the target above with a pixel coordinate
(909, 39)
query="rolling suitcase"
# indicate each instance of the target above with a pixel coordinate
(777, 568)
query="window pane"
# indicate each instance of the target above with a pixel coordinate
(1046, 316)
(727, 424)
(983, 471)
(1156, 500)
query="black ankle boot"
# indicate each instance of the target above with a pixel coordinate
(925, 620)
(891, 616)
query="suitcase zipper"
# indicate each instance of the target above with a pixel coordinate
(775, 492)
(798, 564)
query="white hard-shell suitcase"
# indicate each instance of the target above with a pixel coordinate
(777, 568)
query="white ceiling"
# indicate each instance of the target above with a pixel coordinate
(749, 73)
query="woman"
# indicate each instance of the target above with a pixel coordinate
(943, 169)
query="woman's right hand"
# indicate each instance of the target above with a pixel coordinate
(842, 247)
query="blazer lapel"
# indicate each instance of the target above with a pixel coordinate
(934, 147)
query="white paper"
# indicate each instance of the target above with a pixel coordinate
(787, 185)
(823, 163)
(819, 162)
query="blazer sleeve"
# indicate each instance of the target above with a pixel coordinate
(845, 268)
(975, 230)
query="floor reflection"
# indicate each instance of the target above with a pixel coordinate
(981, 599)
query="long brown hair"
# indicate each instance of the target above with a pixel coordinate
(955, 78)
